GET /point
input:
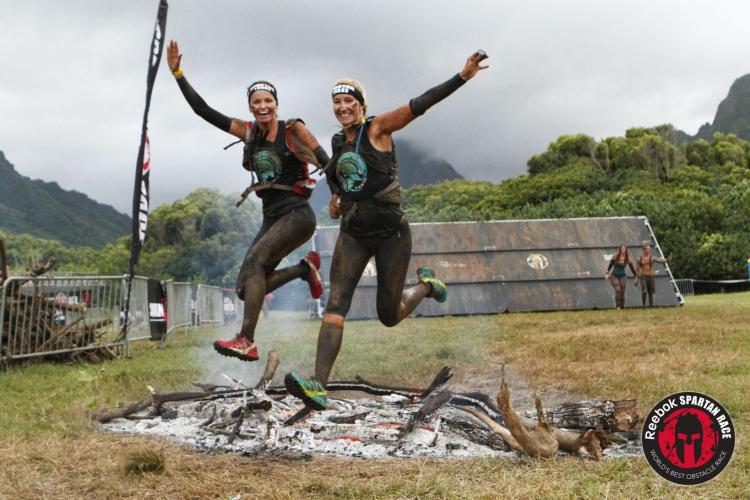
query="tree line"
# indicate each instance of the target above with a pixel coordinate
(695, 195)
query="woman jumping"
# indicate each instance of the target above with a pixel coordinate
(363, 175)
(278, 152)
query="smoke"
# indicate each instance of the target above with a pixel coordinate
(291, 334)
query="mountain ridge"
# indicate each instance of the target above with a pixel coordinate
(46, 210)
(732, 115)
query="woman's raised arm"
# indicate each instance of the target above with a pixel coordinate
(392, 121)
(234, 126)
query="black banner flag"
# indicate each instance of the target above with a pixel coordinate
(142, 166)
(143, 163)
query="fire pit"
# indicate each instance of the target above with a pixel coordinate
(392, 422)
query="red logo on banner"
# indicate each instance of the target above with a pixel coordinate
(146, 156)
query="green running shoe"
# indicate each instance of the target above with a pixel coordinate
(310, 391)
(439, 289)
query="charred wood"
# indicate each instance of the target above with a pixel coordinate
(348, 419)
(474, 432)
(428, 408)
(494, 427)
(442, 378)
(610, 415)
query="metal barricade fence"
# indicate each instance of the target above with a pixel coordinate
(42, 316)
(139, 327)
(180, 305)
(210, 305)
(685, 286)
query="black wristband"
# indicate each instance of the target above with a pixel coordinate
(436, 94)
(321, 156)
(201, 108)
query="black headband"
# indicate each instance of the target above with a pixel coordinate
(349, 89)
(262, 85)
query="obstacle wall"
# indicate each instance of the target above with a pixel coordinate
(519, 265)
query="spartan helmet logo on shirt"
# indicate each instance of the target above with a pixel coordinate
(351, 171)
(267, 164)
(688, 439)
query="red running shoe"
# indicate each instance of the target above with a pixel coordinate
(240, 348)
(312, 259)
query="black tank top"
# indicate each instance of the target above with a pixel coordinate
(274, 162)
(360, 171)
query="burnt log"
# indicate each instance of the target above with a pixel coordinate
(442, 378)
(363, 385)
(430, 406)
(498, 429)
(612, 416)
(348, 418)
(476, 433)
(125, 411)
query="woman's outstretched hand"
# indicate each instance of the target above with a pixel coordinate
(173, 56)
(472, 66)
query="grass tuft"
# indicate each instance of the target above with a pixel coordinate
(145, 462)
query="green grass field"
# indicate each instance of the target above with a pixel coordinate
(49, 448)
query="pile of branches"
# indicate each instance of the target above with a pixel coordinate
(583, 428)
(30, 327)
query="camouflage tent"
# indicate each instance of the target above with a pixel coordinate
(516, 265)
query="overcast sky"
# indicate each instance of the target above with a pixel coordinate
(72, 78)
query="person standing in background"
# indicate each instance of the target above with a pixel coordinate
(617, 276)
(645, 270)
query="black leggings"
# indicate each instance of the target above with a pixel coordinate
(391, 261)
(277, 238)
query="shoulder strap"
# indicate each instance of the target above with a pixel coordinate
(289, 135)
(337, 141)
(280, 142)
(390, 193)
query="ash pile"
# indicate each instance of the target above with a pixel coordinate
(391, 422)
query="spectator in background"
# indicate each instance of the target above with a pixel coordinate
(645, 270)
(617, 276)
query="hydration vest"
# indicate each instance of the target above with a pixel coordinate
(351, 170)
(275, 167)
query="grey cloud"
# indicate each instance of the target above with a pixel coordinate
(73, 78)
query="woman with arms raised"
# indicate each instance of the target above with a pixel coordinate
(363, 174)
(277, 152)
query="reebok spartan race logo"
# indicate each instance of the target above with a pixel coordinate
(688, 438)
